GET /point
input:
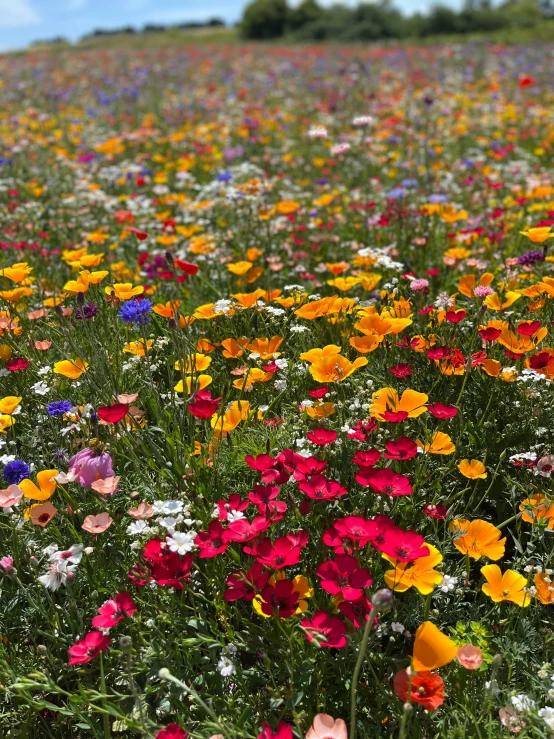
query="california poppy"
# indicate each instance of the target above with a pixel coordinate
(508, 585)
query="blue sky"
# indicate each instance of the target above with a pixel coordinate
(23, 21)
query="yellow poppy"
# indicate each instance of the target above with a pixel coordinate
(335, 368)
(478, 538)
(46, 485)
(432, 648)
(386, 400)
(71, 368)
(509, 585)
(472, 469)
(9, 404)
(418, 574)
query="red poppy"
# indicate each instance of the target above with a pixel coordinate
(320, 392)
(245, 585)
(489, 334)
(18, 364)
(112, 413)
(367, 458)
(405, 546)
(455, 316)
(321, 488)
(172, 731)
(384, 481)
(435, 511)
(439, 410)
(85, 650)
(395, 416)
(426, 688)
(113, 611)
(401, 370)
(187, 267)
(203, 405)
(283, 731)
(540, 361)
(343, 576)
(331, 628)
(211, 542)
(166, 568)
(401, 448)
(528, 328)
(285, 552)
(321, 436)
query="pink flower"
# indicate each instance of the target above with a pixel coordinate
(10, 496)
(326, 727)
(97, 524)
(6, 563)
(107, 486)
(90, 466)
(283, 731)
(88, 648)
(172, 731)
(143, 510)
(113, 611)
(420, 284)
(127, 398)
(470, 657)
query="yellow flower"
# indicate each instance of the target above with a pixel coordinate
(9, 404)
(335, 368)
(5, 423)
(17, 272)
(472, 469)
(46, 485)
(299, 585)
(478, 538)
(386, 400)
(124, 290)
(71, 368)
(538, 235)
(239, 268)
(313, 355)
(432, 648)
(238, 411)
(138, 348)
(193, 363)
(440, 444)
(193, 384)
(418, 574)
(509, 585)
(253, 376)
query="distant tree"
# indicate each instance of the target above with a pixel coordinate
(307, 12)
(264, 19)
(215, 23)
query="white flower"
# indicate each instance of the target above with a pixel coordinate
(299, 329)
(448, 583)
(73, 555)
(397, 627)
(40, 388)
(235, 516)
(181, 542)
(44, 370)
(522, 702)
(58, 574)
(225, 666)
(169, 523)
(137, 528)
(547, 715)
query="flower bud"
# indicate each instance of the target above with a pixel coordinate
(382, 600)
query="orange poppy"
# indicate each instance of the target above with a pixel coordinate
(478, 538)
(509, 585)
(432, 648)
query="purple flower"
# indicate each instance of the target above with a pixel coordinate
(531, 257)
(16, 471)
(89, 310)
(91, 465)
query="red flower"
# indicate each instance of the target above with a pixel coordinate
(263, 494)
(540, 361)
(477, 358)
(343, 576)
(203, 405)
(357, 611)
(455, 316)
(187, 267)
(439, 410)
(384, 481)
(320, 392)
(439, 352)
(331, 628)
(242, 530)
(245, 585)
(405, 546)
(211, 542)
(401, 370)
(17, 365)
(233, 503)
(172, 731)
(435, 511)
(284, 731)
(307, 467)
(113, 611)
(88, 648)
(166, 568)
(528, 328)
(112, 413)
(360, 430)
(321, 488)
(284, 553)
(426, 689)
(280, 599)
(321, 436)
(395, 416)
(272, 469)
(489, 334)
(401, 448)
(367, 458)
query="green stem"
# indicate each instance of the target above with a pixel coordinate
(357, 669)
(105, 716)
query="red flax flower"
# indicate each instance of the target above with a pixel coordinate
(164, 567)
(284, 553)
(357, 611)
(426, 689)
(246, 585)
(322, 436)
(233, 503)
(203, 405)
(172, 731)
(331, 628)
(307, 467)
(342, 576)
(273, 470)
(384, 481)
(401, 448)
(405, 546)
(85, 650)
(242, 530)
(435, 511)
(281, 599)
(113, 611)
(439, 410)
(367, 458)
(321, 488)
(283, 731)
(211, 542)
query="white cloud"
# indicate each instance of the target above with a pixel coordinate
(17, 14)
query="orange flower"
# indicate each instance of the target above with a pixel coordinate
(478, 538)
(5, 422)
(239, 268)
(71, 368)
(335, 368)
(253, 376)
(46, 485)
(168, 310)
(509, 585)
(138, 348)
(232, 349)
(545, 589)
(418, 574)
(194, 384)
(17, 272)
(432, 648)
(472, 469)
(538, 510)
(266, 348)
(539, 234)
(440, 444)
(238, 411)
(320, 410)
(194, 363)
(386, 400)
(9, 404)
(365, 344)
(313, 355)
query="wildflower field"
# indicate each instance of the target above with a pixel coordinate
(276, 410)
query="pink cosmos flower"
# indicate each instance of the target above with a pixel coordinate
(113, 611)
(90, 465)
(85, 650)
(97, 524)
(127, 398)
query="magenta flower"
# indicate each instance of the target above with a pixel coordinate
(405, 546)
(85, 650)
(384, 481)
(343, 576)
(91, 465)
(113, 611)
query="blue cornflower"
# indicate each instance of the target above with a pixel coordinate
(59, 407)
(395, 193)
(16, 471)
(136, 311)
(224, 177)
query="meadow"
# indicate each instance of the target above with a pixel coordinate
(276, 419)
